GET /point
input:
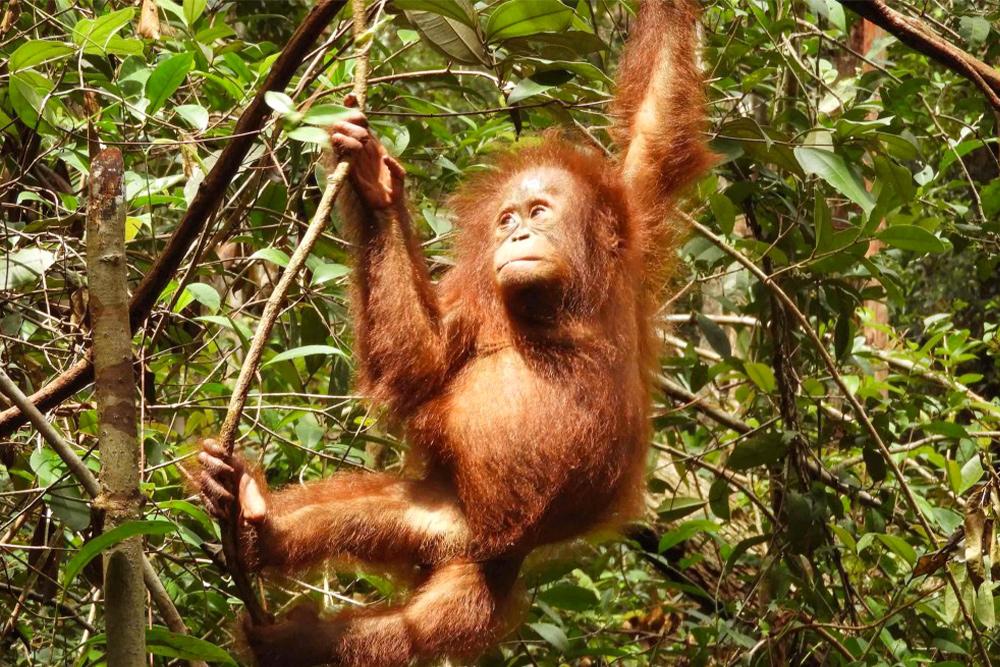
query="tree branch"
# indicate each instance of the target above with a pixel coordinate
(919, 37)
(272, 309)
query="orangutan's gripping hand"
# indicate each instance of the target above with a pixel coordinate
(224, 478)
(377, 178)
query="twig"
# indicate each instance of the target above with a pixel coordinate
(679, 393)
(227, 435)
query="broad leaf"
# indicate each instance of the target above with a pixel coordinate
(517, 18)
(166, 78)
(36, 52)
(163, 642)
(831, 168)
(911, 237)
(94, 547)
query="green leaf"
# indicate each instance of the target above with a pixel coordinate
(280, 102)
(874, 462)
(831, 168)
(305, 351)
(899, 546)
(832, 11)
(23, 268)
(325, 115)
(757, 451)
(31, 97)
(326, 271)
(36, 52)
(310, 135)
(94, 547)
(569, 596)
(460, 10)
(538, 83)
(975, 29)
(65, 499)
(454, 39)
(686, 531)
(517, 18)
(894, 178)
(740, 549)
(723, 211)
(241, 330)
(677, 507)
(206, 295)
(206, 522)
(194, 115)
(971, 473)
(272, 255)
(951, 608)
(985, 606)
(553, 634)
(309, 432)
(715, 335)
(193, 9)
(947, 429)
(911, 237)
(166, 78)
(761, 375)
(163, 642)
(95, 35)
(584, 70)
(718, 499)
(898, 147)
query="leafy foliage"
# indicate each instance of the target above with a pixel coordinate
(865, 185)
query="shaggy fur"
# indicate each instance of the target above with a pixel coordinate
(528, 433)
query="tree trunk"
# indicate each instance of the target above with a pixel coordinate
(124, 591)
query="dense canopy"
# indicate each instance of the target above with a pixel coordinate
(821, 487)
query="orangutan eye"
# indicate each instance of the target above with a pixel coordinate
(537, 210)
(506, 221)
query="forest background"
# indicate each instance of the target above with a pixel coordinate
(822, 483)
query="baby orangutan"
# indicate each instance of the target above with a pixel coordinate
(522, 381)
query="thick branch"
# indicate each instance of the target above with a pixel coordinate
(918, 36)
(205, 204)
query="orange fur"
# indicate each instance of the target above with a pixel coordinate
(530, 433)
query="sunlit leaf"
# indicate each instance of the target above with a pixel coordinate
(516, 18)
(305, 351)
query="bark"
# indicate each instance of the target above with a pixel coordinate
(124, 590)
